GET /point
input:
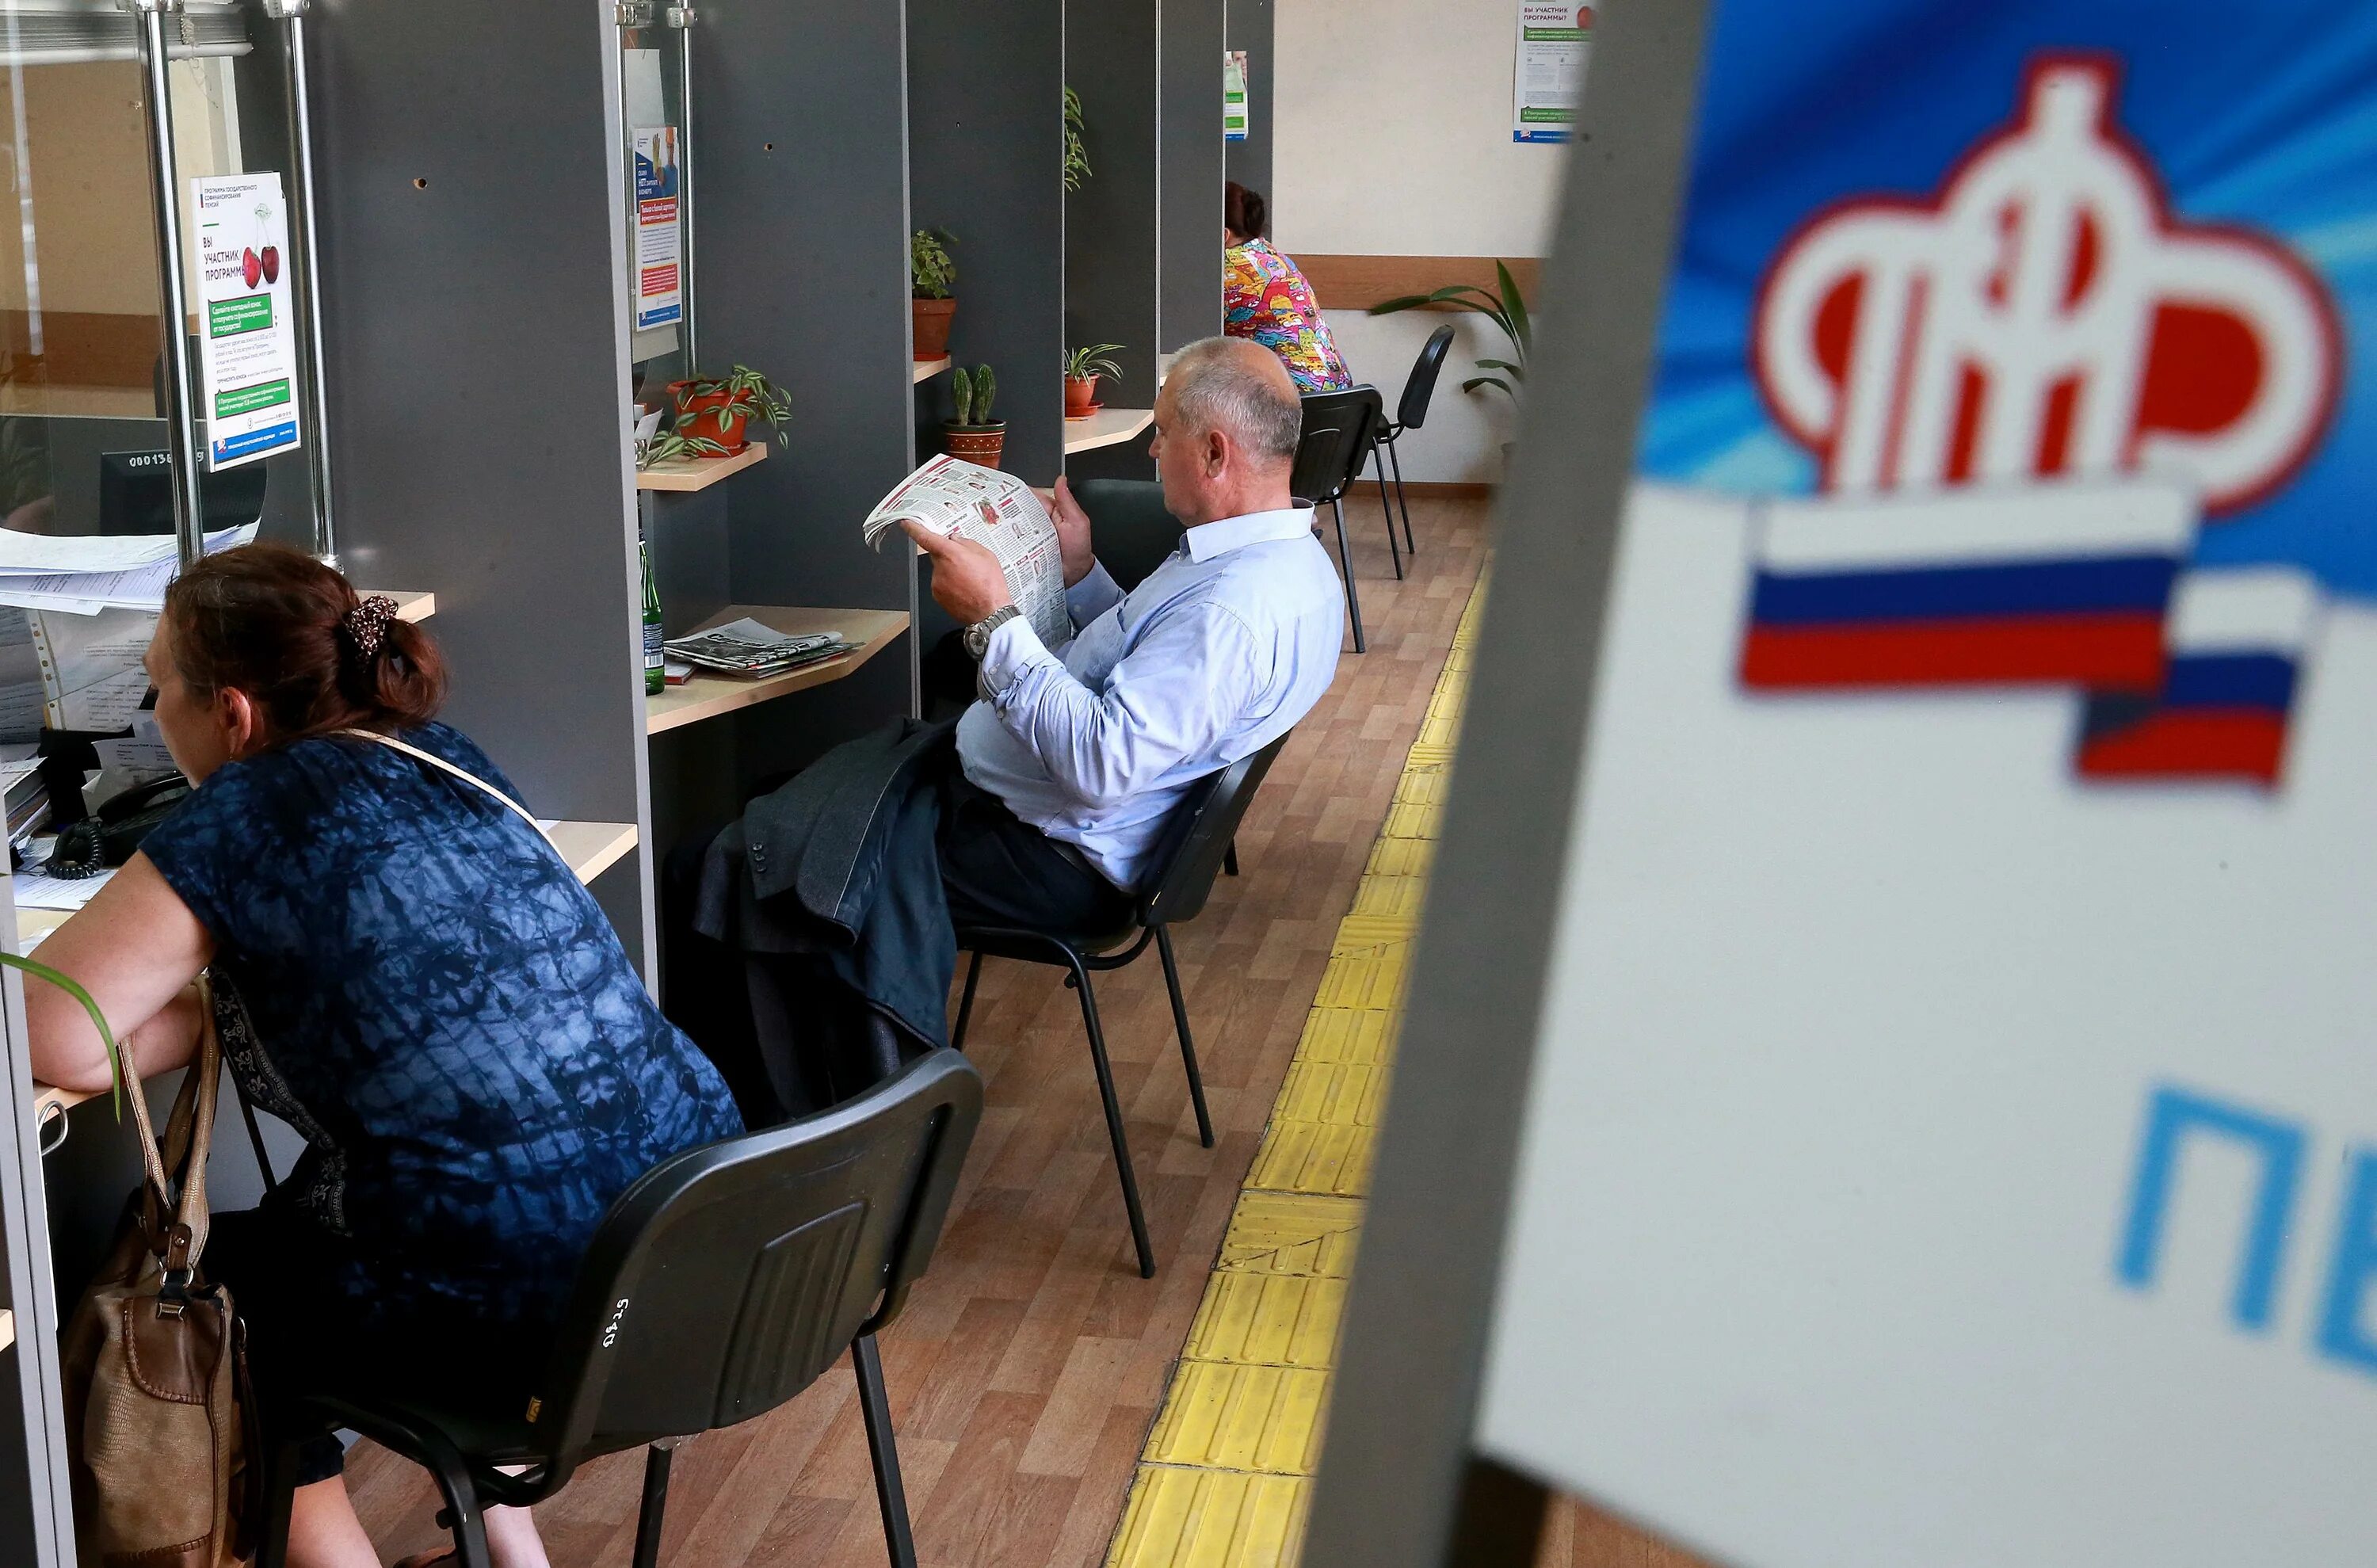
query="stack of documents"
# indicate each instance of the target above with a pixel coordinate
(86, 574)
(748, 649)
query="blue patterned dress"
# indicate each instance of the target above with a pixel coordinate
(426, 993)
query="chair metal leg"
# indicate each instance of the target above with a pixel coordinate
(1188, 1046)
(279, 1498)
(1402, 500)
(1230, 859)
(1081, 981)
(1345, 562)
(648, 1519)
(1387, 511)
(891, 1495)
(966, 1003)
(462, 1516)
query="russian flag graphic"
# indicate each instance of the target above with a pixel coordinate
(2064, 583)
(2237, 640)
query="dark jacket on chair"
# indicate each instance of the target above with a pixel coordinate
(829, 889)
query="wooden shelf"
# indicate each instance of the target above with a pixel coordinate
(926, 369)
(592, 848)
(707, 695)
(699, 473)
(410, 606)
(1107, 427)
(1164, 368)
(8, 1328)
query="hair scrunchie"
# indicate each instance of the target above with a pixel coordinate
(364, 628)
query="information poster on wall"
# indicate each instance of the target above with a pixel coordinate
(1554, 40)
(1951, 1134)
(660, 245)
(248, 343)
(1234, 95)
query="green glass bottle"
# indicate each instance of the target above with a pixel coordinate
(655, 660)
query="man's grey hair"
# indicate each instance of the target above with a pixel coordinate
(1217, 385)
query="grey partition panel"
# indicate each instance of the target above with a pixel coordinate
(36, 1512)
(1110, 221)
(473, 256)
(1188, 172)
(986, 162)
(1247, 25)
(803, 273)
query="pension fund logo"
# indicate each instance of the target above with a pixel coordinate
(2026, 392)
(2046, 314)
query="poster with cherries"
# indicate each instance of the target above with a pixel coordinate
(247, 343)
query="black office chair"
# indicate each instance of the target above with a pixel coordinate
(1420, 390)
(1133, 533)
(721, 1283)
(1336, 441)
(1179, 881)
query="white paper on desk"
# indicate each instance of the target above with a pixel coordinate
(37, 890)
(92, 675)
(138, 758)
(87, 591)
(964, 500)
(20, 680)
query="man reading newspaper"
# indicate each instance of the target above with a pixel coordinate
(1099, 711)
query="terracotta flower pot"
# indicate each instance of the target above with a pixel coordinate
(1080, 396)
(974, 443)
(718, 415)
(931, 322)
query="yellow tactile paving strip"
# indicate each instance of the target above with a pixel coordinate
(1224, 1479)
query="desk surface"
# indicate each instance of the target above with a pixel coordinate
(699, 473)
(591, 848)
(707, 695)
(1107, 427)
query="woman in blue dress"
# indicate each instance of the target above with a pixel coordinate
(406, 974)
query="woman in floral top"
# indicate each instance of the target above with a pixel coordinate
(1266, 298)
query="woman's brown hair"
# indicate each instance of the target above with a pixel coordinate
(292, 633)
(1244, 211)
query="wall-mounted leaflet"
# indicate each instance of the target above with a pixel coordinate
(248, 340)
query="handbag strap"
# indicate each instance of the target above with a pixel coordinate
(182, 1154)
(440, 763)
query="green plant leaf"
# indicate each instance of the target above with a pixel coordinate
(961, 389)
(1518, 370)
(66, 983)
(1514, 309)
(986, 388)
(1476, 381)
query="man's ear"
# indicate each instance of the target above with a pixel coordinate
(1217, 452)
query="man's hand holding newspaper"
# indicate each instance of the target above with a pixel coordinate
(991, 539)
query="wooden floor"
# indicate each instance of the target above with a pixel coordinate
(1031, 1360)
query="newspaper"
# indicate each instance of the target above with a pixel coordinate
(747, 648)
(964, 500)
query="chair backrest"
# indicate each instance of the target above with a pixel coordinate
(1132, 530)
(1335, 442)
(727, 1279)
(1412, 412)
(1197, 837)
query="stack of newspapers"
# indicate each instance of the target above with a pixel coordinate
(747, 649)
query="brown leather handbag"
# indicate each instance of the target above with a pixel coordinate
(161, 1441)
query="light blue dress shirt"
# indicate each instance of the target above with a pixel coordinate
(1218, 654)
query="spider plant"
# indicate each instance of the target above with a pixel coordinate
(1506, 307)
(1076, 155)
(743, 391)
(1082, 363)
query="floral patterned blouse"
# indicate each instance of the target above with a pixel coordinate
(1264, 297)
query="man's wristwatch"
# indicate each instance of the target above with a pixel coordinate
(977, 636)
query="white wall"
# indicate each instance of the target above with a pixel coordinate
(1393, 139)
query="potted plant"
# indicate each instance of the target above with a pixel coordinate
(716, 409)
(1508, 311)
(973, 434)
(1082, 368)
(1077, 152)
(670, 445)
(931, 278)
